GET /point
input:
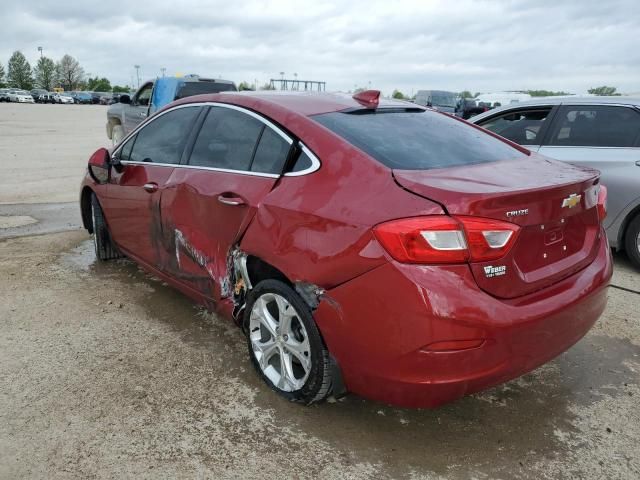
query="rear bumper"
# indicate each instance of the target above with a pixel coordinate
(379, 326)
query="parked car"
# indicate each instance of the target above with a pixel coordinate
(47, 97)
(438, 99)
(372, 246)
(20, 96)
(97, 96)
(36, 92)
(597, 132)
(63, 97)
(469, 107)
(83, 98)
(4, 95)
(124, 116)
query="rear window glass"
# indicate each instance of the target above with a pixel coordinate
(189, 89)
(417, 140)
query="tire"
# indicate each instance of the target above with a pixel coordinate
(105, 249)
(632, 241)
(117, 134)
(296, 349)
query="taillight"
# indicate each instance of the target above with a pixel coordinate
(444, 239)
(602, 203)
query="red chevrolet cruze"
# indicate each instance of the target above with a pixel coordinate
(363, 245)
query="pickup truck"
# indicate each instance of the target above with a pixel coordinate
(124, 116)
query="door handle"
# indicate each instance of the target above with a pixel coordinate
(230, 200)
(142, 114)
(150, 187)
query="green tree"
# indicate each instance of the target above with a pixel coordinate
(466, 94)
(604, 90)
(19, 72)
(1, 76)
(398, 94)
(477, 94)
(119, 89)
(245, 86)
(69, 72)
(45, 73)
(99, 84)
(545, 93)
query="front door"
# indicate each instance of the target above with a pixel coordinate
(235, 162)
(133, 195)
(138, 109)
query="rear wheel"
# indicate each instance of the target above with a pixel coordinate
(105, 249)
(284, 343)
(632, 241)
(117, 134)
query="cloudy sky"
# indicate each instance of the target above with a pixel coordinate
(409, 45)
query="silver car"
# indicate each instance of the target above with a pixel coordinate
(597, 132)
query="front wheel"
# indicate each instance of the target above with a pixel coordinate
(117, 134)
(104, 246)
(632, 241)
(284, 343)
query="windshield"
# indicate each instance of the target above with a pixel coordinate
(417, 140)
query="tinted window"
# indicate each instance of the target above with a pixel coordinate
(302, 162)
(271, 153)
(125, 151)
(197, 88)
(521, 126)
(145, 95)
(227, 140)
(163, 140)
(595, 126)
(417, 140)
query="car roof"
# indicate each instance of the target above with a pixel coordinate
(564, 100)
(303, 103)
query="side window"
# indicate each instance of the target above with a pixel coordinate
(520, 126)
(596, 126)
(271, 153)
(145, 95)
(125, 151)
(302, 163)
(227, 140)
(163, 139)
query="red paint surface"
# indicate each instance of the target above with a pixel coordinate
(379, 317)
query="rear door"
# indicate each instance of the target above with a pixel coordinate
(235, 161)
(603, 137)
(525, 126)
(133, 195)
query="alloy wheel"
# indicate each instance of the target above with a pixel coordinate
(280, 342)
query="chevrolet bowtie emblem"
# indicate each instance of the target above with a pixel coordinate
(571, 201)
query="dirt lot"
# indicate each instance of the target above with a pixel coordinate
(107, 373)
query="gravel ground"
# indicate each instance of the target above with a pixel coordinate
(107, 373)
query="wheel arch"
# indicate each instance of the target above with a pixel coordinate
(624, 227)
(85, 208)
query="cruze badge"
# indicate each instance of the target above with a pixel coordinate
(571, 201)
(491, 271)
(517, 213)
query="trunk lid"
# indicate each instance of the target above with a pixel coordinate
(554, 203)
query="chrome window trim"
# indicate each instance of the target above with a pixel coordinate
(315, 163)
(193, 167)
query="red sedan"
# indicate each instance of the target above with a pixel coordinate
(363, 245)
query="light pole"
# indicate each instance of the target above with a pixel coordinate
(137, 67)
(163, 70)
(40, 50)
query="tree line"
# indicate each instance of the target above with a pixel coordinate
(67, 73)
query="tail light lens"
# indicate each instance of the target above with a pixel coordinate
(444, 239)
(602, 203)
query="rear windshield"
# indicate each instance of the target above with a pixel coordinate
(198, 88)
(418, 140)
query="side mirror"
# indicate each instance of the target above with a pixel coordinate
(125, 99)
(99, 165)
